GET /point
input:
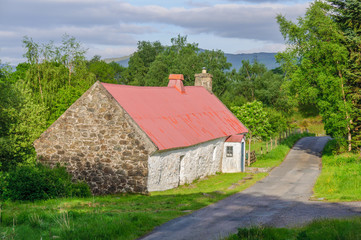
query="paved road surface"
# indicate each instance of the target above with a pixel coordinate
(280, 199)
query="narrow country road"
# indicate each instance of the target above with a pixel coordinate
(280, 199)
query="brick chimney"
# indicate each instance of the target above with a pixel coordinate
(176, 81)
(204, 79)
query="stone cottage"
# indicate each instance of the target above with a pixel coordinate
(122, 138)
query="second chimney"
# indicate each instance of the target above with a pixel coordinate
(204, 79)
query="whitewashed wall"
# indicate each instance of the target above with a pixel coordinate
(172, 168)
(233, 164)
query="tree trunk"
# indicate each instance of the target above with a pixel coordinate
(40, 88)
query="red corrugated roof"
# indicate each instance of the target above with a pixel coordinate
(172, 119)
(235, 138)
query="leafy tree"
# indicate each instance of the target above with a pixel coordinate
(21, 122)
(152, 64)
(55, 70)
(255, 118)
(316, 62)
(277, 121)
(103, 72)
(8, 104)
(181, 57)
(347, 14)
(255, 82)
(216, 63)
(140, 62)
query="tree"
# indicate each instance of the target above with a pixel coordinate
(140, 62)
(216, 63)
(347, 14)
(255, 82)
(103, 72)
(21, 122)
(55, 70)
(255, 118)
(181, 57)
(316, 62)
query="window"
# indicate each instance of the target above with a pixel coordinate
(229, 151)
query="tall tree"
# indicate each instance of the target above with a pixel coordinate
(316, 62)
(347, 14)
(56, 72)
(140, 62)
(21, 121)
(253, 81)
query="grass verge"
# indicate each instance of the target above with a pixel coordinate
(340, 179)
(346, 229)
(276, 156)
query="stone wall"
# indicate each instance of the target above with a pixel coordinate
(170, 169)
(98, 142)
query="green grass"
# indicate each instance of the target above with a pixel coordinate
(335, 229)
(276, 156)
(312, 124)
(340, 179)
(124, 216)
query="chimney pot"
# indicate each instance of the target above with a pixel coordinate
(176, 77)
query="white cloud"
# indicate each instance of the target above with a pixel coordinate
(117, 25)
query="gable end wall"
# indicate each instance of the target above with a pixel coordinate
(100, 143)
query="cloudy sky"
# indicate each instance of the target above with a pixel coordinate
(112, 28)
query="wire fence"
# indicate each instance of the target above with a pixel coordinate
(258, 147)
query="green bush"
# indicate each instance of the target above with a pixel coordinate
(3, 184)
(40, 182)
(80, 189)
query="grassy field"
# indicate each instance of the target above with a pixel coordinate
(115, 216)
(124, 216)
(340, 179)
(335, 229)
(312, 124)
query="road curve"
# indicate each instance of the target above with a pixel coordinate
(280, 199)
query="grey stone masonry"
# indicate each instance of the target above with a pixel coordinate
(204, 79)
(99, 143)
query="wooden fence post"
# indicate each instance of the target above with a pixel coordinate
(249, 152)
(267, 146)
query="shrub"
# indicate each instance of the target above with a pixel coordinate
(80, 189)
(3, 184)
(40, 182)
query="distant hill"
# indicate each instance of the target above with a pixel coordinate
(267, 59)
(122, 61)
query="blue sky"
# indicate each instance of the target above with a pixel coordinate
(112, 28)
